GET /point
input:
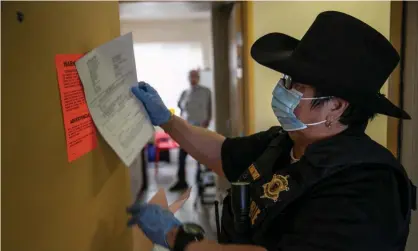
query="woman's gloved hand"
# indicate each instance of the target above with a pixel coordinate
(157, 111)
(154, 221)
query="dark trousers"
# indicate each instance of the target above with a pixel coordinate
(181, 173)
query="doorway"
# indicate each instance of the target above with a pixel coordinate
(170, 40)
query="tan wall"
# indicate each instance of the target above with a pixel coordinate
(294, 18)
(49, 204)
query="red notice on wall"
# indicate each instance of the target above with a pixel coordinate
(80, 131)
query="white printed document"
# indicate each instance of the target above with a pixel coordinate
(107, 74)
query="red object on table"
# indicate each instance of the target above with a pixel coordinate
(162, 141)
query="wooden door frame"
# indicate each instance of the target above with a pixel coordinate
(220, 19)
(248, 66)
(247, 62)
(236, 96)
(394, 125)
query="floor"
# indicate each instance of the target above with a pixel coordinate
(167, 175)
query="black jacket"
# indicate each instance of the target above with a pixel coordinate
(346, 193)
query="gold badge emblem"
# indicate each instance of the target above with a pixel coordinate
(253, 171)
(254, 212)
(273, 188)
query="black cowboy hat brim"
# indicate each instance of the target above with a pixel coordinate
(275, 51)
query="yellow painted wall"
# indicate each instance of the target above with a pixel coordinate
(49, 204)
(294, 18)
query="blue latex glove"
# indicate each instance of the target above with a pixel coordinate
(157, 111)
(154, 221)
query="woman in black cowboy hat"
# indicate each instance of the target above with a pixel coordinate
(317, 182)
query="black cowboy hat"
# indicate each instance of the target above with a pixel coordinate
(339, 54)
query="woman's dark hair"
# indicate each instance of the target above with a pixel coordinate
(352, 116)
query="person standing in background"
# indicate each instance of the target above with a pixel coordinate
(196, 107)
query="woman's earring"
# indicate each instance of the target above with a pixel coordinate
(328, 124)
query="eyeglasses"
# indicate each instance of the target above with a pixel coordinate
(287, 82)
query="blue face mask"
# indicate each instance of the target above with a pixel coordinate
(284, 102)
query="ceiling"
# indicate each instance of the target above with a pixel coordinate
(151, 11)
